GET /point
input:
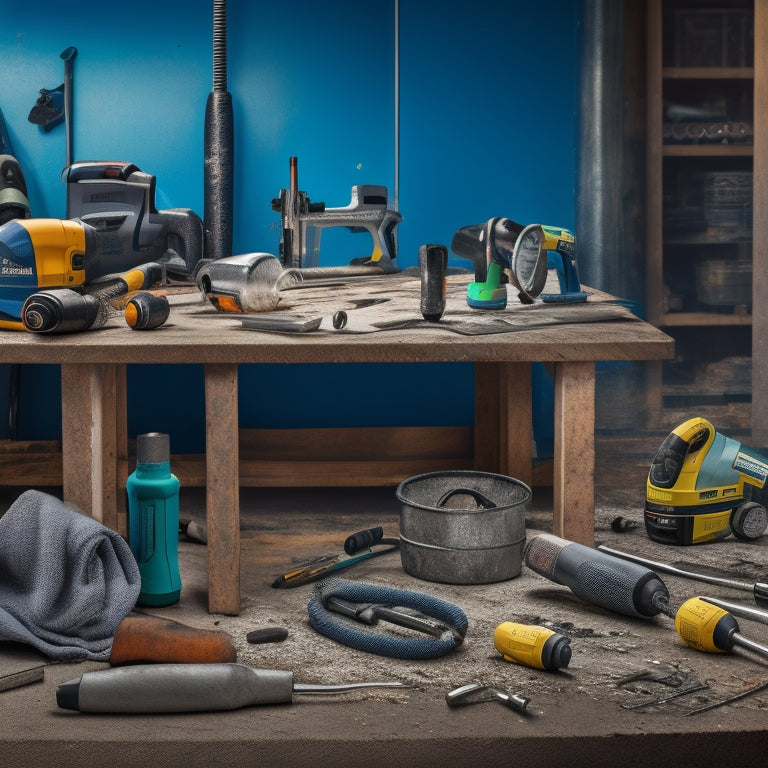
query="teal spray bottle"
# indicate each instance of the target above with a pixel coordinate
(153, 520)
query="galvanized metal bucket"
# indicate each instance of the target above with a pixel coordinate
(462, 527)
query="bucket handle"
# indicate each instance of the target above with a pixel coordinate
(483, 502)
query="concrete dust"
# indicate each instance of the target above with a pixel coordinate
(616, 659)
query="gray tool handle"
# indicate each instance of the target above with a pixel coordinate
(597, 577)
(146, 688)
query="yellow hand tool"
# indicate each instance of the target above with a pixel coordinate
(532, 646)
(707, 627)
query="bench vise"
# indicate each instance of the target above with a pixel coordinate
(303, 222)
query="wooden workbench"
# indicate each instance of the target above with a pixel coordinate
(93, 367)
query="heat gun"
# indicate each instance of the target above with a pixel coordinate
(112, 226)
(528, 254)
(702, 486)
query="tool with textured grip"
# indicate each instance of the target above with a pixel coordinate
(597, 577)
(218, 172)
(433, 263)
(146, 688)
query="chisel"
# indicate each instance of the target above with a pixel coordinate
(167, 688)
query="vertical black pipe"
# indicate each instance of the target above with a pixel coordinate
(219, 147)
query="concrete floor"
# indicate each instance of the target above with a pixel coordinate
(583, 715)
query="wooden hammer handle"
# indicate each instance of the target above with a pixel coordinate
(143, 638)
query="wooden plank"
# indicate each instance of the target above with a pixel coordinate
(89, 427)
(122, 468)
(356, 443)
(487, 434)
(30, 463)
(222, 489)
(363, 456)
(516, 418)
(574, 463)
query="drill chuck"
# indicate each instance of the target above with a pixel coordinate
(59, 311)
(598, 578)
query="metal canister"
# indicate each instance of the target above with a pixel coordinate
(462, 527)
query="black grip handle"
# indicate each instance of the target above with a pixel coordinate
(433, 263)
(363, 539)
(218, 174)
(597, 577)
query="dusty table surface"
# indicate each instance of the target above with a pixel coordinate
(384, 325)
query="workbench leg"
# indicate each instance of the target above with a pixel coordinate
(222, 489)
(574, 461)
(89, 439)
(503, 419)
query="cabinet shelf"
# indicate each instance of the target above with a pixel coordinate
(705, 199)
(682, 319)
(708, 73)
(707, 150)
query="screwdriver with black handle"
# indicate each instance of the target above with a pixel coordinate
(169, 688)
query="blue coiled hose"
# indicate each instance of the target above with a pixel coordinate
(379, 642)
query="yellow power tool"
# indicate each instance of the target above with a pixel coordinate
(702, 486)
(532, 646)
(112, 226)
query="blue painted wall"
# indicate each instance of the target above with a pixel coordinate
(488, 95)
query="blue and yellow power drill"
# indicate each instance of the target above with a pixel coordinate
(528, 254)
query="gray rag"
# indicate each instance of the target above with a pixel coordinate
(66, 580)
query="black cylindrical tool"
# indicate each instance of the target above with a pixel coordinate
(146, 311)
(433, 263)
(598, 578)
(60, 311)
(219, 147)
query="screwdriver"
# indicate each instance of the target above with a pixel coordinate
(759, 590)
(710, 628)
(166, 688)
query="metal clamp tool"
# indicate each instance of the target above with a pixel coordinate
(443, 622)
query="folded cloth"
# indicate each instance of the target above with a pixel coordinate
(66, 580)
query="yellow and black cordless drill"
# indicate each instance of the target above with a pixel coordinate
(112, 227)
